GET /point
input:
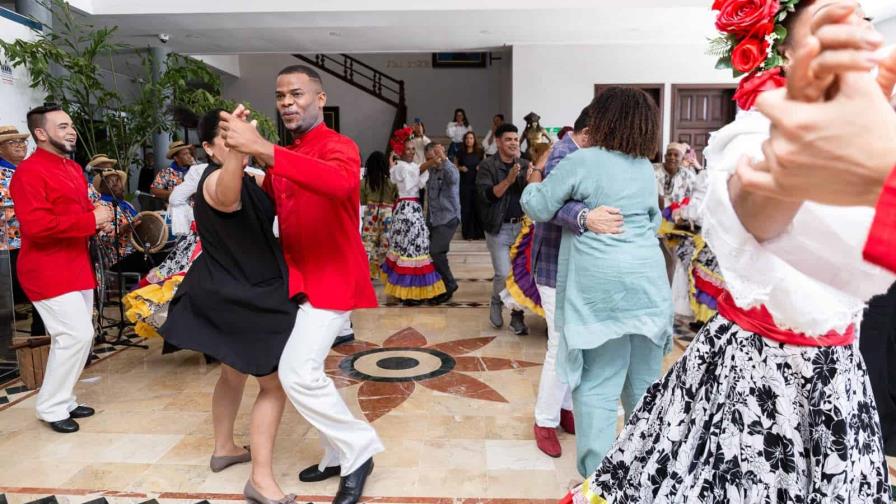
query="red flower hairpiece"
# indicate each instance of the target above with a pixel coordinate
(399, 138)
(752, 31)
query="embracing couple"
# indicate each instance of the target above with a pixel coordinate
(273, 309)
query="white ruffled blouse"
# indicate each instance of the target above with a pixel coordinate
(812, 278)
(407, 177)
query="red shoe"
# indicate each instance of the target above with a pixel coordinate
(547, 441)
(568, 421)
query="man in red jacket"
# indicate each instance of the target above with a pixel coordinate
(316, 186)
(57, 219)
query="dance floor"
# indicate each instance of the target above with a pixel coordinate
(451, 397)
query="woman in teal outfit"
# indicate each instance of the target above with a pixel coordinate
(614, 303)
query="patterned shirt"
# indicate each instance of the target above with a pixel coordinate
(546, 244)
(125, 247)
(12, 237)
(170, 177)
(676, 187)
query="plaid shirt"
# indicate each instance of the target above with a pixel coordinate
(546, 246)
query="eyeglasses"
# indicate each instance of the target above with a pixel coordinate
(14, 142)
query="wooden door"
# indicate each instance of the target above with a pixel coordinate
(698, 111)
(656, 91)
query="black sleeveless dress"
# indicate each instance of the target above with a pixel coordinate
(233, 303)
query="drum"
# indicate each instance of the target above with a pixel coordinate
(151, 234)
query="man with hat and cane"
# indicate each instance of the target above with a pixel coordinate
(13, 149)
(57, 219)
(181, 156)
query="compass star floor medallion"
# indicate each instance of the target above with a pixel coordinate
(390, 372)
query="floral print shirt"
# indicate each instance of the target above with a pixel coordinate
(126, 210)
(12, 238)
(170, 177)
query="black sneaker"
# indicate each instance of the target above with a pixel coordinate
(518, 323)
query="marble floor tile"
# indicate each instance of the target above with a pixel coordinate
(516, 455)
(112, 476)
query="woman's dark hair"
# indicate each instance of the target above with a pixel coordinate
(462, 111)
(208, 126)
(377, 170)
(477, 149)
(625, 120)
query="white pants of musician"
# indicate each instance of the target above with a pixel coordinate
(68, 321)
(553, 394)
(347, 441)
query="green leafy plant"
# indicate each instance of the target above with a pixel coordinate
(65, 61)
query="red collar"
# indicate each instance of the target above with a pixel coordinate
(310, 135)
(41, 154)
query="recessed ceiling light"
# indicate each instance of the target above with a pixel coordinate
(485, 32)
(334, 34)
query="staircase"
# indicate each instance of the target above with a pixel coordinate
(366, 78)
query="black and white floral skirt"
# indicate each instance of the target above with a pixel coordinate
(407, 271)
(743, 419)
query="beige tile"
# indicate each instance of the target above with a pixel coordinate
(112, 476)
(172, 478)
(524, 484)
(516, 455)
(456, 483)
(190, 450)
(453, 454)
(36, 473)
(510, 427)
(455, 427)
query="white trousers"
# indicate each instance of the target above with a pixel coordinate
(347, 441)
(347, 327)
(68, 321)
(553, 394)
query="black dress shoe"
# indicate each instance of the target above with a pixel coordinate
(343, 339)
(352, 486)
(313, 474)
(66, 426)
(81, 412)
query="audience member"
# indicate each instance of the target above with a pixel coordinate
(500, 181)
(467, 161)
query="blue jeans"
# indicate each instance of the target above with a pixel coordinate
(624, 367)
(499, 248)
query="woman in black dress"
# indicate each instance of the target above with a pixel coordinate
(468, 159)
(234, 305)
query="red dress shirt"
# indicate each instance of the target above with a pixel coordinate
(56, 218)
(881, 246)
(316, 187)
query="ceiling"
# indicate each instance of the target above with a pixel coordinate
(362, 26)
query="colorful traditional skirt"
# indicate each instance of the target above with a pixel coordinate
(147, 307)
(407, 271)
(375, 234)
(705, 282)
(520, 284)
(744, 419)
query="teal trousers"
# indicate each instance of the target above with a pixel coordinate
(621, 368)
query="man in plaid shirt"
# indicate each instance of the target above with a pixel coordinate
(553, 406)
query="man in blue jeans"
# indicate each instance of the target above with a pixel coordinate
(499, 184)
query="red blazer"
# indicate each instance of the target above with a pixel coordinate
(49, 193)
(316, 187)
(881, 246)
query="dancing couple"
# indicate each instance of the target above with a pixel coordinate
(274, 310)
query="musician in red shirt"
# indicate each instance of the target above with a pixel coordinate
(57, 219)
(316, 186)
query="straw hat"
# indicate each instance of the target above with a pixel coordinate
(98, 185)
(11, 133)
(100, 159)
(176, 147)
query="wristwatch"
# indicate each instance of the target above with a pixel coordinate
(583, 220)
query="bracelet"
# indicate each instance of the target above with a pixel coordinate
(583, 220)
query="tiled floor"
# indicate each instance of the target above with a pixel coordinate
(453, 407)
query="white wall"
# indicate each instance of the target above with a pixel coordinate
(432, 94)
(16, 95)
(557, 81)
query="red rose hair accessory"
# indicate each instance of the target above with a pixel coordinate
(399, 138)
(752, 31)
(757, 83)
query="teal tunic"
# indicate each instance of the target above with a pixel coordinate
(608, 286)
